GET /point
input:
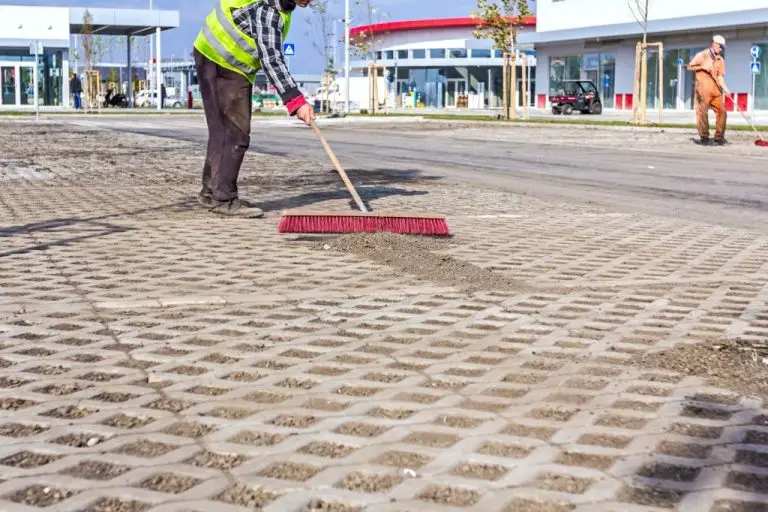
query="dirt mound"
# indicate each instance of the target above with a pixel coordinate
(419, 257)
(729, 364)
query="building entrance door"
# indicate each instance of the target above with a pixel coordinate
(17, 83)
(454, 87)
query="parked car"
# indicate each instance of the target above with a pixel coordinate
(146, 98)
(581, 95)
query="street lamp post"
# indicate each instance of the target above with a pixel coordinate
(347, 22)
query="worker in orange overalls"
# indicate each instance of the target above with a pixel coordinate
(709, 67)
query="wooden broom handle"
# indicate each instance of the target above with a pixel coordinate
(339, 168)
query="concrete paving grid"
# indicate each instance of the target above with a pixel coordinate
(156, 358)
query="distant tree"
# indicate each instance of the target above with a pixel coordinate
(501, 21)
(366, 42)
(321, 22)
(640, 10)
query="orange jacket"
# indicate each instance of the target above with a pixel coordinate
(705, 82)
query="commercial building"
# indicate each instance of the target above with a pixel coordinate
(596, 40)
(53, 28)
(438, 63)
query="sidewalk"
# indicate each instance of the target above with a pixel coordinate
(155, 357)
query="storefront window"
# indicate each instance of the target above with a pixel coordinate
(761, 81)
(402, 54)
(437, 53)
(478, 53)
(607, 85)
(418, 54)
(562, 69)
(389, 55)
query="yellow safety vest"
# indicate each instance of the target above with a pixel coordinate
(222, 41)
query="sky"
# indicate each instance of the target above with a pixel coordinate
(180, 41)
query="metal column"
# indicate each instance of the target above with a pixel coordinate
(159, 72)
(130, 74)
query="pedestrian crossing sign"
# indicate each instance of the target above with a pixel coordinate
(289, 49)
(756, 68)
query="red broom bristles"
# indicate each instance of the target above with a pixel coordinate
(762, 143)
(363, 224)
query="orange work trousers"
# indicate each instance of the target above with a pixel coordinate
(706, 100)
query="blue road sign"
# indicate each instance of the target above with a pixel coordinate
(680, 62)
(756, 52)
(289, 49)
(756, 68)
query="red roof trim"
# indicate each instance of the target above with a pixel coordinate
(404, 26)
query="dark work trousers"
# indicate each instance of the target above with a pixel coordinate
(227, 101)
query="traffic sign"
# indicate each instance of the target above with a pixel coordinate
(289, 49)
(756, 68)
(756, 51)
(680, 62)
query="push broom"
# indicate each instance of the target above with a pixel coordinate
(761, 142)
(364, 221)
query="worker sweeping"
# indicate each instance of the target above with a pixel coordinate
(239, 38)
(709, 66)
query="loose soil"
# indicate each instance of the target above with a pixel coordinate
(20, 430)
(216, 460)
(420, 257)
(452, 496)
(116, 505)
(127, 422)
(651, 497)
(290, 471)
(170, 483)
(330, 506)
(147, 449)
(431, 439)
(524, 505)
(29, 460)
(563, 483)
(80, 440)
(369, 483)
(325, 405)
(391, 414)
(509, 451)
(361, 429)
(605, 440)
(727, 364)
(250, 497)
(480, 471)
(96, 470)
(326, 449)
(257, 438)
(405, 460)
(40, 496)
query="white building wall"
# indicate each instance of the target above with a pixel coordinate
(573, 14)
(20, 25)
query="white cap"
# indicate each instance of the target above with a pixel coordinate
(719, 40)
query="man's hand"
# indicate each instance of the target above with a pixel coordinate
(306, 113)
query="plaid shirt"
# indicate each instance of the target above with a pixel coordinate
(262, 22)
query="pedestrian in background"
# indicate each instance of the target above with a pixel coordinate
(76, 89)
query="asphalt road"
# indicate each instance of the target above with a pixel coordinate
(653, 172)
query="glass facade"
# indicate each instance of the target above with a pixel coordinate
(600, 68)
(17, 79)
(474, 87)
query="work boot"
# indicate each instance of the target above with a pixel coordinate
(205, 197)
(720, 142)
(704, 142)
(236, 208)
